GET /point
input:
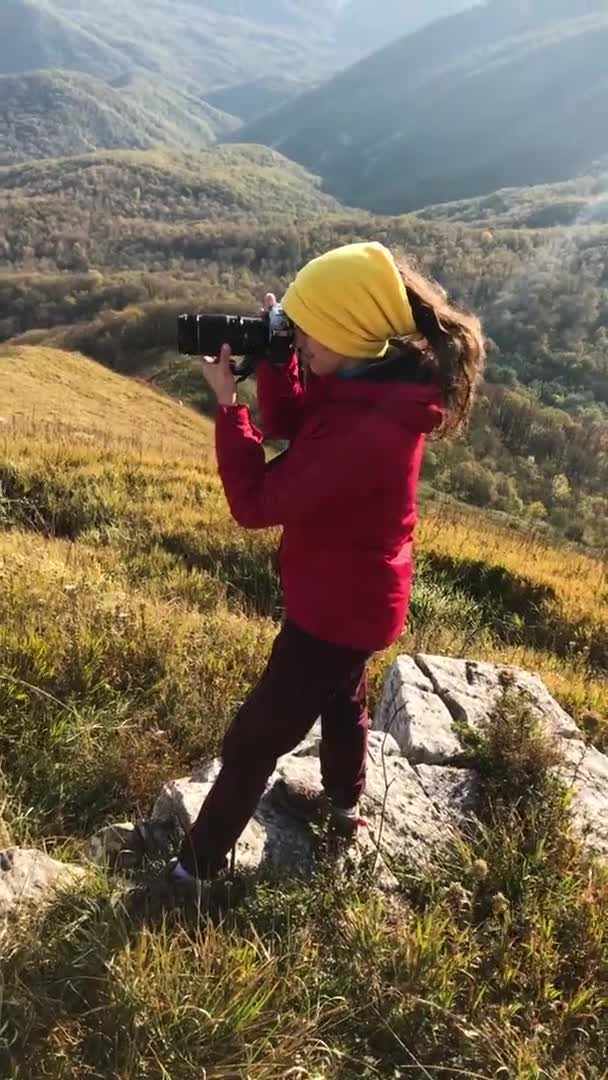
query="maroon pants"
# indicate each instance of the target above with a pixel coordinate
(305, 678)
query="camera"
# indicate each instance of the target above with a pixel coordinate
(269, 335)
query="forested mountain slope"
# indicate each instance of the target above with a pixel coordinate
(59, 113)
(500, 95)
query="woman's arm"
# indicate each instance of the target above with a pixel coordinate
(281, 399)
(308, 480)
(316, 473)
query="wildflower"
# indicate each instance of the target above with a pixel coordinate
(479, 870)
(500, 904)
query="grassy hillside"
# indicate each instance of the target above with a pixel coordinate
(56, 114)
(63, 395)
(93, 457)
(473, 103)
(134, 617)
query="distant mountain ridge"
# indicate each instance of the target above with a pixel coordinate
(199, 47)
(499, 95)
(377, 24)
(50, 114)
(579, 202)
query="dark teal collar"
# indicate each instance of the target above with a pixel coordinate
(396, 367)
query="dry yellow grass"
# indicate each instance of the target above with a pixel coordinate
(86, 438)
(580, 581)
(64, 395)
(134, 617)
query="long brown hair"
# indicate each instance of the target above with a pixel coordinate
(451, 346)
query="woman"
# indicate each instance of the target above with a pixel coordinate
(388, 360)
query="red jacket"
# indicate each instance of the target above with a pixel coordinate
(345, 494)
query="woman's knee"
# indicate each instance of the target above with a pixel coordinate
(245, 751)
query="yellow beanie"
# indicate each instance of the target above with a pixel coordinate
(351, 300)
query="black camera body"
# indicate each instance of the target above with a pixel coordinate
(270, 335)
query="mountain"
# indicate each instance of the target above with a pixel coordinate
(245, 57)
(194, 46)
(499, 95)
(35, 34)
(57, 113)
(230, 222)
(114, 208)
(100, 253)
(369, 25)
(250, 100)
(583, 201)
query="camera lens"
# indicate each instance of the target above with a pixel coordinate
(204, 335)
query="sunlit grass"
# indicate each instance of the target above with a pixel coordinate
(493, 964)
(134, 618)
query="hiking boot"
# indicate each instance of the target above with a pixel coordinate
(178, 875)
(313, 806)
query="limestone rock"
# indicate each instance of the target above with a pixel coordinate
(270, 839)
(311, 744)
(379, 743)
(470, 689)
(382, 745)
(586, 772)
(29, 875)
(401, 819)
(180, 800)
(415, 715)
(452, 791)
(425, 700)
(124, 846)
(421, 694)
(418, 794)
(115, 845)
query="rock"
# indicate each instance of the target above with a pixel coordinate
(418, 794)
(124, 846)
(116, 846)
(426, 699)
(586, 771)
(29, 875)
(180, 800)
(451, 791)
(416, 716)
(470, 689)
(401, 819)
(419, 693)
(311, 744)
(270, 839)
(381, 745)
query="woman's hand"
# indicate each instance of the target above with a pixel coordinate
(218, 375)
